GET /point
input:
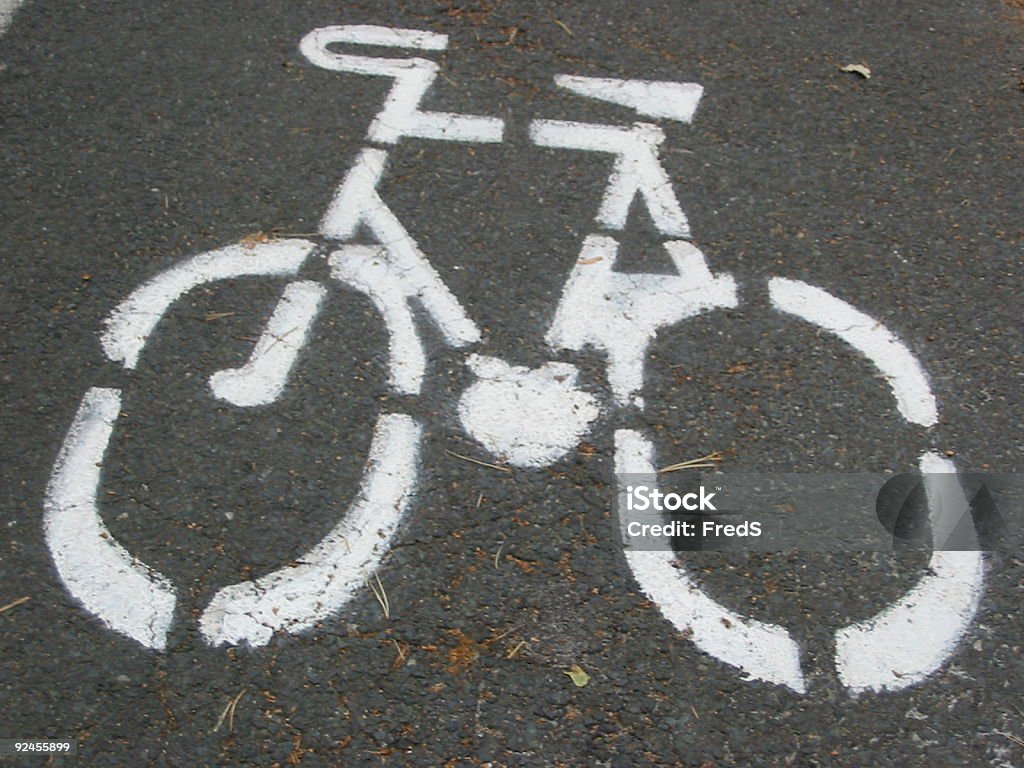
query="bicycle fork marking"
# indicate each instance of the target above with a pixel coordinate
(614, 312)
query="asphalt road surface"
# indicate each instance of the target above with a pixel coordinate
(138, 134)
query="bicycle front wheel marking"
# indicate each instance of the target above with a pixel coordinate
(138, 602)
(295, 598)
(125, 594)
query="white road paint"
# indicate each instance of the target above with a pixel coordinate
(261, 380)
(296, 598)
(134, 319)
(762, 651)
(114, 586)
(915, 636)
(413, 77)
(7, 9)
(621, 312)
(320, 39)
(367, 269)
(890, 356)
(649, 98)
(637, 171)
(357, 203)
(948, 507)
(531, 418)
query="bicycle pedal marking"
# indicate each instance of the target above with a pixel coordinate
(531, 418)
(620, 312)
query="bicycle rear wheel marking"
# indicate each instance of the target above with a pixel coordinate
(914, 636)
(900, 646)
(762, 651)
(910, 387)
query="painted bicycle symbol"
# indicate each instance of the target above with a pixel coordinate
(611, 312)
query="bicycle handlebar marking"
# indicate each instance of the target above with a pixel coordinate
(401, 115)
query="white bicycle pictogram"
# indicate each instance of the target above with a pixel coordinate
(612, 312)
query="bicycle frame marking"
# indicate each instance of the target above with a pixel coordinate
(620, 312)
(357, 202)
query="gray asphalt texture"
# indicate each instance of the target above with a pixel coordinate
(136, 134)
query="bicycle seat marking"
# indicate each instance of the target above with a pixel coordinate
(530, 417)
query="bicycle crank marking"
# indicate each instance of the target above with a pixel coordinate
(531, 418)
